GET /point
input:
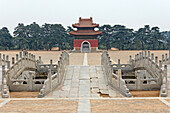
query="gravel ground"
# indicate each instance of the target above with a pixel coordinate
(76, 58)
(45, 55)
(124, 55)
(145, 93)
(39, 106)
(94, 58)
(23, 94)
(129, 106)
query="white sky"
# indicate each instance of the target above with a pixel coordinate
(131, 13)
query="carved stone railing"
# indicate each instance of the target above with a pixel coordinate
(24, 61)
(113, 80)
(123, 67)
(28, 84)
(45, 67)
(147, 61)
(55, 80)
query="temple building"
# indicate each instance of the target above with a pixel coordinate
(85, 38)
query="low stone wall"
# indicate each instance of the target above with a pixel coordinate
(53, 81)
(113, 80)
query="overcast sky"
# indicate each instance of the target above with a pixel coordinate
(131, 13)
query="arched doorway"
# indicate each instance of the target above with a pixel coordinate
(85, 47)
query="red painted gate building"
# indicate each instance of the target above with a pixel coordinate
(85, 38)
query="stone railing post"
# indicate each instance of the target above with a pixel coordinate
(30, 82)
(169, 57)
(149, 54)
(160, 63)
(4, 57)
(138, 80)
(7, 57)
(50, 79)
(0, 59)
(13, 60)
(130, 59)
(8, 64)
(30, 55)
(20, 54)
(16, 57)
(156, 60)
(40, 59)
(145, 53)
(152, 56)
(162, 57)
(137, 56)
(51, 64)
(166, 57)
(140, 55)
(120, 76)
(34, 57)
(3, 73)
(119, 63)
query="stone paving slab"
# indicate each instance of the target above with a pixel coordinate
(84, 106)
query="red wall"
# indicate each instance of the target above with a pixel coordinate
(93, 42)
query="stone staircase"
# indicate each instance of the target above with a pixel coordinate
(84, 82)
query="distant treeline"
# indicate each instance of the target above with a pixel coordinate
(35, 37)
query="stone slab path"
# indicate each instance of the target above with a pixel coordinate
(84, 82)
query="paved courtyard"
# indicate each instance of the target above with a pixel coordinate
(84, 90)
